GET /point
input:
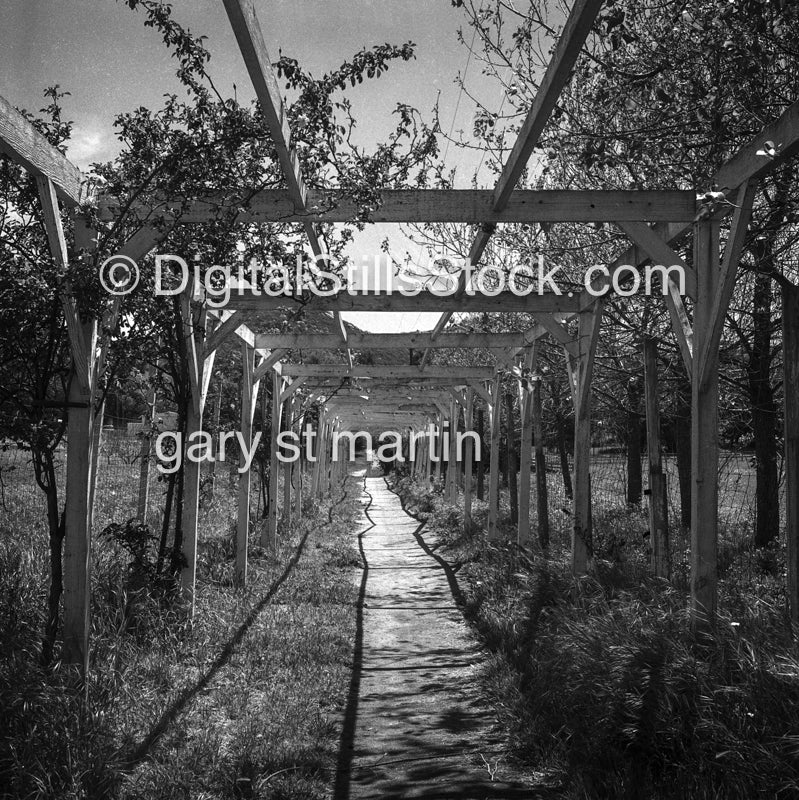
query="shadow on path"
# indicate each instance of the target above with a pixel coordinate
(415, 726)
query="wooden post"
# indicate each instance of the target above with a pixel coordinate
(249, 391)
(581, 382)
(287, 466)
(493, 467)
(513, 490)
(80, 439)
(439, 451)
(452, 463)
(523, 530)
(297, 414)
(704, 431)
(658, 511)
(269, 535)
(77, 513)
(481, 461)
(195, 320)
(790, 343)
(468, 456)
(541, 492)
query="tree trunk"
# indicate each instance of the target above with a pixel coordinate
(633, 437)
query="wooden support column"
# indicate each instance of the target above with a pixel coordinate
(790, 343)
(468, 455)
(513, 489)
(287, 467)
(77, 513)
(249, 391)
(297, 472)
(481, 460)
(439, 448)
(586, 347)
(658, 509)
(541, 491)
(80, 440)
(452, 463)
(525, 456)
(493, 467)
(269, 535)
(704, 431)
(195, 320)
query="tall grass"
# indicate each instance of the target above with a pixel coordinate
(603, 684)
(244, 702)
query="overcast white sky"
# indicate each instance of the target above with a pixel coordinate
(101, 52)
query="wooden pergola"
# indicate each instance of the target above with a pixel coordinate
(654, 221)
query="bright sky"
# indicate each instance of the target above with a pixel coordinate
(101, 52)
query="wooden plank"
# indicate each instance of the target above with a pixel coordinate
(790, 343)
(51, 218)
(658, 507)
(452, 461)
(471, 206)
(576, 30)
(77, 512)
(581, 532)
(249, 393)
(385, 371)
(269, 534)
(729, 271)
(547, 302)
(704, 435)
(468, 455)
(249, 36)
(747, 165)
(525, 455)
(495, 411)
(25, 146)
(659, 252)
(390, 341)
(269, 363)
(542, 496)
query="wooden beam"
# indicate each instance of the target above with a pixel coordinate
(249, 392)
(471, 206)
(25, 146)
(390, 341)
(385, 371)
(269, 534)
(51, 218)
(571, 41)
(729, 271)
(590, 322)
(576, 30)
(534, 303)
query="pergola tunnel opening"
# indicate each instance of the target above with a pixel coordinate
(424, 400)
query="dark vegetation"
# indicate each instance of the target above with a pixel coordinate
(243, 702)
(601, 681)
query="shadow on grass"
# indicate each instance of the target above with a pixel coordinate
(187, 695)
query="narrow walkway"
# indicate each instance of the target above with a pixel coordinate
(414, 725)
